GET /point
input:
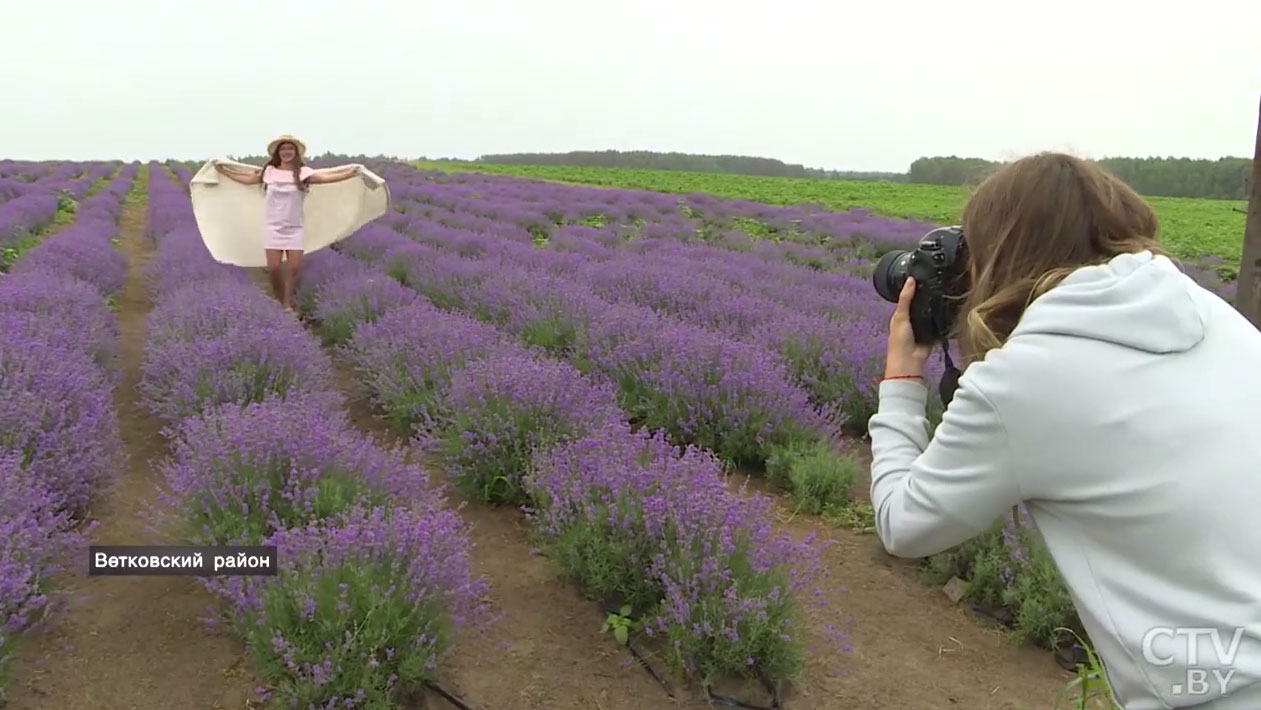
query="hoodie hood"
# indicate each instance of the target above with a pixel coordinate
(1139, 301)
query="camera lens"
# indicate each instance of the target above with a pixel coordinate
(890, 274)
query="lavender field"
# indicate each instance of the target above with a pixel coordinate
(524, 434)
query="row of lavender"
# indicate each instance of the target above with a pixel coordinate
(634, 312)
(843, 243)
(828, 325)
(829, 337)
(374, 570)
(637, 521)
(729, 367)
(72, 177)
(59, 436)
(31, 195)
(805, 235)
(744, 401)
(182, 174)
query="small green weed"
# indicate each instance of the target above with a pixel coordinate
(621, 624)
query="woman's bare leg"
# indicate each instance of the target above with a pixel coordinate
(273, 272)
(294, 257)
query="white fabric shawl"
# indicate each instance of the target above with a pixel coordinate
(230, 215)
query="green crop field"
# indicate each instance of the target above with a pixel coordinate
(1190, 228)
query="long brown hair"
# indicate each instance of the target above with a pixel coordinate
(1032, 223)
(297, 165)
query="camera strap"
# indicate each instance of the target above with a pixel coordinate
(949, 379)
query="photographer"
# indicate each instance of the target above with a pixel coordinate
(1112, 396)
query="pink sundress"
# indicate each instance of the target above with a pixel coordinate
(283, 208)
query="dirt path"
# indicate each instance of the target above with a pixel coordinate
(911, 647)
(131, 643)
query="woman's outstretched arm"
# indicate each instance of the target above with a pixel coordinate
(321, 177)
(252, 176)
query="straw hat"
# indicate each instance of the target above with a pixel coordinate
(286, 138)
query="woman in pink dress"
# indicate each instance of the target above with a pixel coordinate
(285, 180)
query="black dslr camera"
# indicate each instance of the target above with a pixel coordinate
(937, 265)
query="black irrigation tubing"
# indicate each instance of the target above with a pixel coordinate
(648, 667)
(1067, 657)
(776, 702)
(734, 703)
(446, 696)
(643, 662)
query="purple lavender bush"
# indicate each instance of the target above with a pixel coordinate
(370, 243)
(57, 412)
(363, 610)
(19, 220)
(69, 308)
(319, 269)
(406, 356)
(543, 310)
(35, 542)
(241, 362)
(497, 411)
(345, 303)
(96, 341)
(446, 280)
(181, 259)
(834, 360)
(733, 398)
(640, 522)
(205, 310)
(82, 251)
(238, 474)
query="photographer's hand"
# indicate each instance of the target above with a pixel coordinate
(905, 358)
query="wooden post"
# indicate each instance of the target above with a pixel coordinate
(1248, 296)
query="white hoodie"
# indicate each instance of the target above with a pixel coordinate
(1125, 412)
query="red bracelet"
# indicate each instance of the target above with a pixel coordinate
(905, 377)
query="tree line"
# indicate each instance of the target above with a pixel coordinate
(1223, 178)
(649, 160)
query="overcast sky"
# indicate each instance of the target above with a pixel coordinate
(827, 83)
